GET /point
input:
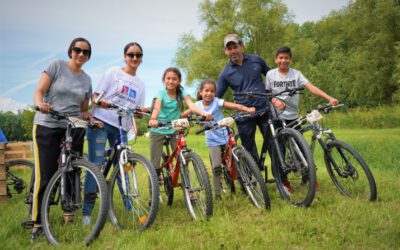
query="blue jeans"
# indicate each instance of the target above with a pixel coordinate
(97, 139)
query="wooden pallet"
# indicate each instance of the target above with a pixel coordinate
(11, 151)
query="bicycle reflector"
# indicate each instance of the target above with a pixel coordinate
(226, 121)
(180, 123)
(314, 116)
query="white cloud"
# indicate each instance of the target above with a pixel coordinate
(9, 104)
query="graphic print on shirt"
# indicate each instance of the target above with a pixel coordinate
(284, 84)
(125, 93)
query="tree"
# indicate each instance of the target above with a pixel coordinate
(352, 54)
(260, 23)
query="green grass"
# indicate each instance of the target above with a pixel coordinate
(332, 222)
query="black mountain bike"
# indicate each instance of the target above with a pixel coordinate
(19, 178)
(347, 169)
(133, 183)
(61, 209)
(292, 162)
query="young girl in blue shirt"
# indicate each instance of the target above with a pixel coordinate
(215, 139)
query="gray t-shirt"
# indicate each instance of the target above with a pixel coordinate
(66, 93)
(276, 83)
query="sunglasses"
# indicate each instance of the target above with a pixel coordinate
(77, 50)
(132, 55)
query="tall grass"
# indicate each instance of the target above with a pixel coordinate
(332, 222)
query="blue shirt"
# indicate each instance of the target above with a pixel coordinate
(219, 136)
(169, 110)
(244, 78)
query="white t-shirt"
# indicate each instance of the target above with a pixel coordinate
(276, 82)
(123, 90)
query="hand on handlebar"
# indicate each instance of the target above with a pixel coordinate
(334, 102)
(208, 117)
(278, 103)
(153, 123)
(251, 110)
(45, 107)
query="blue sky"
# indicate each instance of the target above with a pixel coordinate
(34, 33)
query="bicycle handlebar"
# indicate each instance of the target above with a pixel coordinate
(64, 116)
(290, 92)
(225, 122)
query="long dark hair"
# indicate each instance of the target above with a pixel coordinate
(202, 84)
(179, 88)
(79, 39)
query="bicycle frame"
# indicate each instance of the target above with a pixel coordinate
(229, 153)
(178, 154)
(323, 136)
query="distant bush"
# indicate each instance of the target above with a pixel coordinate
(362, 117)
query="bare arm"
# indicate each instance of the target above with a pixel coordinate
(235, 106)
(40, 91)
(318, 92)
(196, 109)
(186, 113)
(156, 111)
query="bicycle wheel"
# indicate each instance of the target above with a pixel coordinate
(251, 179)
(168, 190)
(296, 178)
(196, 187)
(349, 172)
(62, 219)
(137, 208)
(227, 180)
(20, 177)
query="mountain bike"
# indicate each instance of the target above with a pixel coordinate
(19, 178)
(185, 163)
(61, 208)
(347, 169)
(133, 184)
(238, 164)
(292, 162)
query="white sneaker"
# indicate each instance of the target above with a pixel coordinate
(86, 220)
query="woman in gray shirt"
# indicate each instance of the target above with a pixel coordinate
(64, 87)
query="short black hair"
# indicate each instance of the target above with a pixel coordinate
(284, 49)
(79, 39)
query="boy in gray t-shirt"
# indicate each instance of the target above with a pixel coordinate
(283, 77)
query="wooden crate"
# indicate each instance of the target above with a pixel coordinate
(19, 150)
(2, 151)
(3, 177)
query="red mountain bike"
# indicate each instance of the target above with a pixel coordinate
(238, 164)
(184, 162)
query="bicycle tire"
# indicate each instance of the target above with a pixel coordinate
(299, 169)
(350, 181)
(251, 179)
(138, 209)
(20, 175)
(196, 187)
(168, 186)
(71, 230)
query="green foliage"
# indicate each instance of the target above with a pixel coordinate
(16, 126)
(352, 54)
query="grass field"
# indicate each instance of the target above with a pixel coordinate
(332, 222)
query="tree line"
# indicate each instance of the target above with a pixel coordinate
(353, 53)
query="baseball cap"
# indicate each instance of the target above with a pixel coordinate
(232, 38)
